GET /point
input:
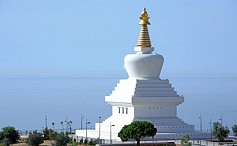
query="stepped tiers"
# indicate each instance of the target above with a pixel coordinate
(151, 100)
(144, 97)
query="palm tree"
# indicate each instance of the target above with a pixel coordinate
(70, 126)
(53, 125)
(62, 126)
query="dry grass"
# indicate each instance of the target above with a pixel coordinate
(46, 143)
(20, 144)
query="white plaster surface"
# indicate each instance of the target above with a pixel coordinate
(144, 97)
(143, 65)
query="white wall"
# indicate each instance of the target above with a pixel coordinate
(155, 111)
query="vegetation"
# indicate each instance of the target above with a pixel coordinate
(73, 144)
(35, 138)
(85, 141)
(234, 129)
(5, 142)
(52, 134)
(46, 134)
(9, 135)
(62, 139)
(185, 140)
(81, 141)
(220, 132)
(136, 130)
(92, 142)
(49, 134)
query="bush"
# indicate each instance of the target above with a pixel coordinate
(5, 142)
(74, 144)
(92, 142)
(62, 139)
(81, 141)
(85, 141)
(52, 134)
(35, 138)
(46, 134)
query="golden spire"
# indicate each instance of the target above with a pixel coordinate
(144, 39)
(144, 18)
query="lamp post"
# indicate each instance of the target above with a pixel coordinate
(66, 121)
(110, 133)
(46, 122)
(86, 128)
(200, 122)
(81, 121)
(99, 127)
(62, 127)
(70, 126)
(53, 125)
(210, 127)
(221, 120)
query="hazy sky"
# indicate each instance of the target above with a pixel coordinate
(88, 39)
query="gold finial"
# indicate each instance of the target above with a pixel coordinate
(144, 17)
(144, 39)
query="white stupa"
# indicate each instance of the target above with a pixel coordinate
(144, 97)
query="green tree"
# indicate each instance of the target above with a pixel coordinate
(136, 130)
(49, 134)
(52, 134)
(9, 134)
(62, 126)
(234, 129)
(62, 139)
(220, 132)
(1, 136)
(185, 140)
(46, 134)
(35, 138)
(53, 125)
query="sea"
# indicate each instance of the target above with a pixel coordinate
(33, 103)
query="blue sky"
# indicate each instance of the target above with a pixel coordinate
(89, 39)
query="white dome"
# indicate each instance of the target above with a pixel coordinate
(143, 65)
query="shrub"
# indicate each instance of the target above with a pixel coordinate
(81, 141)
(35, 138)
(74, 144)
(92, 142)
(52, 134)
(5, 142)
(46, 134)
(85, 141)
(62, 139)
